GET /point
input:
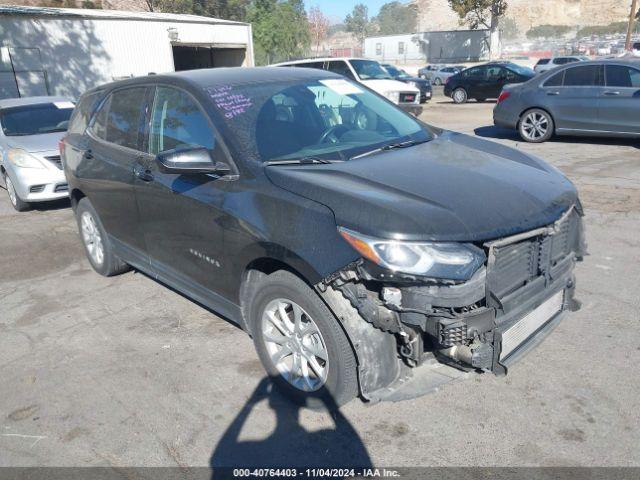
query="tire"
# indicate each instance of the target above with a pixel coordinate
(437, 82)
(536, 126)
(16, 202)
(459, 95)
(279, 292)
(96, 241)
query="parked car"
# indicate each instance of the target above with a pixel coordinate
(485, 81)
(427, 71)
(598, 98)
(400, 75)
(369, 73)
(30, 129)
(341, 233)
(546, 64)
(439, 77)
(635, 49)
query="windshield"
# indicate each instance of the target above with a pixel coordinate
(526, 71)
(369, 70)
(36, 119)
(329, 119)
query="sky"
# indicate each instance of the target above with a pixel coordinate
(336, 10)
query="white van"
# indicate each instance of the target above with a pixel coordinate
(369, 73)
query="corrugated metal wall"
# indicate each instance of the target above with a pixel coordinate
(78, 54)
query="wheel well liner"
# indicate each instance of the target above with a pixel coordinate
(76, 195)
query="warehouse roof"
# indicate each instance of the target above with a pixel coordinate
(110, 15)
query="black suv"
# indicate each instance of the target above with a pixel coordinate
(350, 240)
(485, 81)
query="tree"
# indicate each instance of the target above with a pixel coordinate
(482, 13)
(227, 9)
(395, 18)
(318, 26)
(509, 28)
(357, 22)
(280, 29)
(548, 31)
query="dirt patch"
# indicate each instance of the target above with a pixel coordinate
(23, 413)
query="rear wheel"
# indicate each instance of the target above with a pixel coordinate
(536, 126)
(459, 95)
(437, 81)
(16, 202)
(96, 242)
(300, 343)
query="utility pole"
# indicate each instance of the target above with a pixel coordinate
(632, 21)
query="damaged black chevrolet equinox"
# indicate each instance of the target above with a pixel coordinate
(355, 244)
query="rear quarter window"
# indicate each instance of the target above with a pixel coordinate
(82, 113)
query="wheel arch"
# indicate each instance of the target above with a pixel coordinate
(75, 196)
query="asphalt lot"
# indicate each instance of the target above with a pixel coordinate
(125, 372)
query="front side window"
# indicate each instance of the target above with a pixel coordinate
(36, 119)
(177, 122)
(621, 76)
(332, 118)
(370, 70)
(583, 76)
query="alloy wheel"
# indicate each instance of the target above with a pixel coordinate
(11, 190)
(459, 96)
(92, 238)
(295, 345)
(535, 125)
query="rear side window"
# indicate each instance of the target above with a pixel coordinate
(177, 121)
(82, 113)
(119, 119)
(621, 76)
(559, 61)
(317, 65)
(543, 61)
(555, 81)
(340, 67)
(583, 76)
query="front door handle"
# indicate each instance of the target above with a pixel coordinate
(553, 93)
(612, 93)
(142, 172)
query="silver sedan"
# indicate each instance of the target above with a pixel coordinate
(598, 98)
(30, 165)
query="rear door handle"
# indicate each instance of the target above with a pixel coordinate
(553, 93)
(612, 93)
(142, 172)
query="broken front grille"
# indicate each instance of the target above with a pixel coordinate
(516, 261)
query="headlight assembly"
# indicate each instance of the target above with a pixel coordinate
(445, 260)
(393, 96)
(23, 159)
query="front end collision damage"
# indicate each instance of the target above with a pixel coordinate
(398, 322)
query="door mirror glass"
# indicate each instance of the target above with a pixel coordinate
(190, 160)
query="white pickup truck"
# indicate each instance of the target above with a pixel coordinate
(369, 73)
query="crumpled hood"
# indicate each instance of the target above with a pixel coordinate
(382, 86)
(454, 188)
(45, 142)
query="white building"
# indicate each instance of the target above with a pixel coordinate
(61, 51)
(434, 47)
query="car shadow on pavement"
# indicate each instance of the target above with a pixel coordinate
(52, 205)
(290, 445)
(499, 133)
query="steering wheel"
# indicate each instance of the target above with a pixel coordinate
(331, 134)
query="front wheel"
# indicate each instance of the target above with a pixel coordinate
(301, 344)
(16, 202)
(536, 126)
(96, 242)
(459, 95)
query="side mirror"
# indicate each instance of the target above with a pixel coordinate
(190, 160)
